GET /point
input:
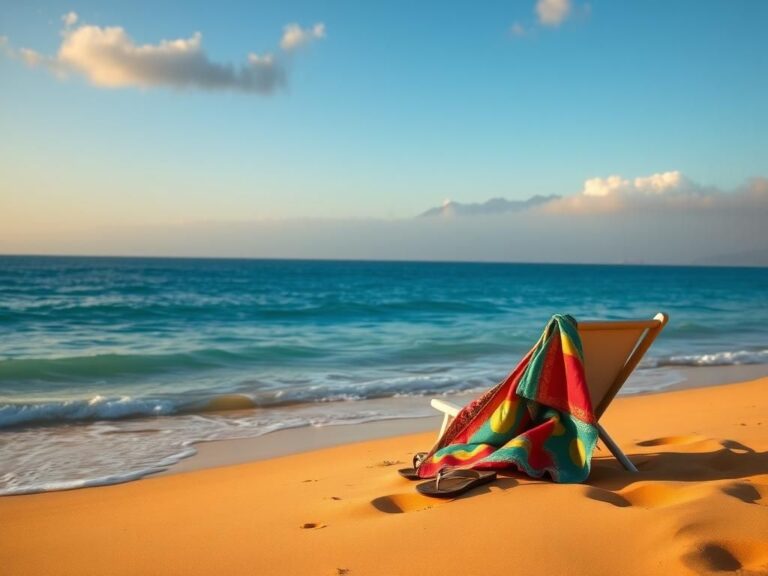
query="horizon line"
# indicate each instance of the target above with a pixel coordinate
(382, 260)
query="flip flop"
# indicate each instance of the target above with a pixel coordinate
(413, 473)
(452, 483)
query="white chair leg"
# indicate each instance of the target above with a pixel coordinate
(615, 450)
(449, 411)
(446, 421)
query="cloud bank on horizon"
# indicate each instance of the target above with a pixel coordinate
(616, 194)
(662, 218)
(108, 57)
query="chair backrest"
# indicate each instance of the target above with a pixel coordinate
(612, 350)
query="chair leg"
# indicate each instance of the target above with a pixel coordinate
(615, 450)
(446, 420)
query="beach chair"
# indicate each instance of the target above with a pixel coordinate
(612, 350)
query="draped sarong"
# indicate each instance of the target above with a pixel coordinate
(538, 420)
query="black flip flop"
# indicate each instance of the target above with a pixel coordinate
(452, 483)
(413, 473)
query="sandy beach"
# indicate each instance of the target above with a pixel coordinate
(250, 256)
(698, 505)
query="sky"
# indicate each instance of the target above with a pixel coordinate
(323, 129)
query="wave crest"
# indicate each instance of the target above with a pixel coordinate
(724, 358)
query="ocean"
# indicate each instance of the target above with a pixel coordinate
(112, 368)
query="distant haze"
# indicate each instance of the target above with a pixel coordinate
(659, 219)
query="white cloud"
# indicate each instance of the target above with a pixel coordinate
(30, 57)
(663, 190)
(294, 36)
(654, 184)
(109, 57)
(552, 12)
(660, 183)
(517, 29)
(604, 186)
(69, 19)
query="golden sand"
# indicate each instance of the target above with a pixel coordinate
(699, 505)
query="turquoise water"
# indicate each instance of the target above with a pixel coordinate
(118, 364)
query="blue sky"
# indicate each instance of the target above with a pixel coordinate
(398, 107)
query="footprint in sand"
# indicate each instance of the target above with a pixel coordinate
(662, 494)
(672, 440)
(646, 494)
(748, 493)
(400, 503)
(602, 495)
(312, 526)
(712, 558)
(744, 557)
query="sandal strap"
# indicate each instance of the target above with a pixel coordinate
(447, 472)
(418, 458)
(439, 477)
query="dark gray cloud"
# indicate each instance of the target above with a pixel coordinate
(492, 206)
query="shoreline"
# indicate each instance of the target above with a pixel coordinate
(378, 418)
(698, 505)
(216, 453)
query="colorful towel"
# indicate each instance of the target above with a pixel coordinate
(538, 420)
